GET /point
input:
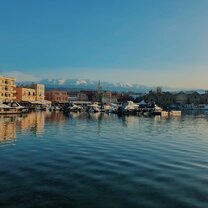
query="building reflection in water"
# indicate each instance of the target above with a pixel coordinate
(7, 129)
(56, 117)
(9, 125)
(33, 122)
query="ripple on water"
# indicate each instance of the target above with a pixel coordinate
(105, 161)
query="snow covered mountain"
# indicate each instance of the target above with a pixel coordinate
(86, 84)
(82, 84)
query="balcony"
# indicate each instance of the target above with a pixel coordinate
(7, 84)
(8, 91)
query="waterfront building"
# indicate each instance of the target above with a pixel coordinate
(7, 89)
(88, 95)
(31, 93)
(204, 98)
(40, 91)
(106, 97)
(73, 96)
(82, 97)
(165, 99)
(24, 94)
(181, 98)
(109, 97)
(57, 96)
(194, 98)
(151, 98)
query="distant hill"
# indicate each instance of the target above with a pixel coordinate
(86, 84)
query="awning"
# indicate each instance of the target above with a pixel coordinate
(44, 102)
(4, 106)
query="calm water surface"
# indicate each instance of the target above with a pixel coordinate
(82, 160)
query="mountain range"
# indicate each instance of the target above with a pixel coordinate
(86, 84)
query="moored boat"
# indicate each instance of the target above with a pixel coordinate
(6, 109)
(94, 108)
(74, 108)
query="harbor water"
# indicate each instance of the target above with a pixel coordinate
(99, 160)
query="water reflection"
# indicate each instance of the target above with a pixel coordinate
(32, 122)
(11, 125)
(55, 117)
(125, 161)
(7, 129)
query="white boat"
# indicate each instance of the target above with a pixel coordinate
(114, 108)
(74, 108)
(130, 106)
(93, 108)
(6, 109)
(154, 110)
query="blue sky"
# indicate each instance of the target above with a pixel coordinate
(151, 42)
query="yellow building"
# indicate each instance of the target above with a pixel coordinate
(35, 92)
(7, 89)
(40, 91)
(25, 94)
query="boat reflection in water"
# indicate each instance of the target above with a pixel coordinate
(35, 122)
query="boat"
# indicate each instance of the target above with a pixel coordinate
(128, 108)
(54, 108)
(153, 110)
(74, 108)
(93, 108)
(6, 109)
(114, 108)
